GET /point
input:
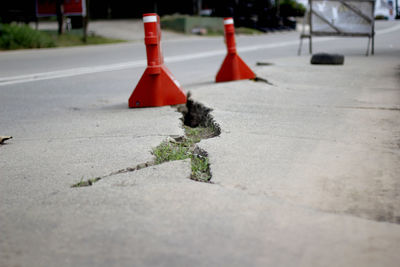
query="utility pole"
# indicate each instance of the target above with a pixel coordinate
(60, 15)
(277, 8)
(155, 7)
(85, 21)
(197, 5)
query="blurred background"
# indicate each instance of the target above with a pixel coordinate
(51, 23)
(249, 13)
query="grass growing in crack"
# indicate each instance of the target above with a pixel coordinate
(195, 135)
(200, 168)
(183, 148)
(170, 151)
(87, 182)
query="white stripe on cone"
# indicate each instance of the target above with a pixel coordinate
(149, 19)
(228, 21)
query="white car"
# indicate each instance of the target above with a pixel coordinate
(383, 8)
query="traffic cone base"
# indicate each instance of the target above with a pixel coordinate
(234, 68)
(154, 90)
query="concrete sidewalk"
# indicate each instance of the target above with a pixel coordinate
(129, 29)
(123, 29)
(305, 173)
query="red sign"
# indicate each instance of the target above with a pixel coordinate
(75, 7)
(47, 8)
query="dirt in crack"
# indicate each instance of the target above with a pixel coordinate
(198, 125)
(260, 79)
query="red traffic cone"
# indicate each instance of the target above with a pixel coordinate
(157, 87)
(233, 67)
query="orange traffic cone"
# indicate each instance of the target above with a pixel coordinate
(157, 87)
(233, 67)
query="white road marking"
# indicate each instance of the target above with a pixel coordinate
(142, 63)
(389, 30)
(69, 72)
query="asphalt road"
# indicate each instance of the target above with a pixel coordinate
(112, 71)
(67, 110)
(206, 52)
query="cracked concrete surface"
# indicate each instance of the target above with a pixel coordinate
(299, 178)
(302, 142)
(194, 115)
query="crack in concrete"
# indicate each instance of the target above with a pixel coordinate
(260, 79)
(195, 115)
(91, 181)
(199, 125)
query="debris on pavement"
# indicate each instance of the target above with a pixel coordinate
(327, 59)
(4, 138)
(259, 63)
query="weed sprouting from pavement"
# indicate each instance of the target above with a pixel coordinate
(186, 148)
(170, 151)
(200, 168)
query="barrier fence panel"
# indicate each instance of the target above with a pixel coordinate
(347, 18)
